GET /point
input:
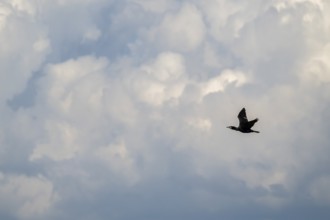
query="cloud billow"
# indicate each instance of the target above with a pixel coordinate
(130, 103)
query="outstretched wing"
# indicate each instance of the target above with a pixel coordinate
(242, 116)
(251, 123)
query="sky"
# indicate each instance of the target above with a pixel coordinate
(117, 109)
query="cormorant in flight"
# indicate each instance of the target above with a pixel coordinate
(244, 125)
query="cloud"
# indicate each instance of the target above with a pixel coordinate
(319, 192)
(226, 78)
(159, 7)
(118, 109)
(316, 68)
(26, 45)
(183, 30)
(27, 197)
(161, 80)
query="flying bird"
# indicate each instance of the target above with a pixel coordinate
(244, 125)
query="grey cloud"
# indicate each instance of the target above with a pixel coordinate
(118, 109)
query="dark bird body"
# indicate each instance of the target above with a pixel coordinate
(244, 125)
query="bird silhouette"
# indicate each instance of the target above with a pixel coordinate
(244, 125)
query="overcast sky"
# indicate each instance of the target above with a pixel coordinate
(117, 109)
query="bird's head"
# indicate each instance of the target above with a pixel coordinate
(232, 127)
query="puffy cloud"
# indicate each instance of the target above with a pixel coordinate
(118, 109)
(26, 47)
(316, 69)
(156, 7)
(219, 83)
(118, 159)
(161, 80)
(26, 197)
(184, 30)
(60, 144)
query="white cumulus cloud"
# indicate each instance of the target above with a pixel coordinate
(118, 109)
